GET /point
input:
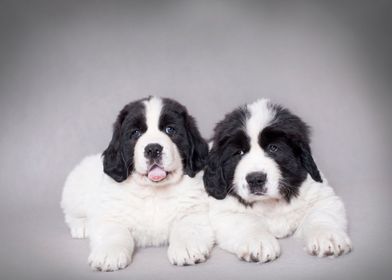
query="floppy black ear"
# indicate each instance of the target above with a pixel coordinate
(197, 152)
(308, 162)
(114, 164)
(214, 179)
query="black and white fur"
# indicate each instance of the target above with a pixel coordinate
(265, 185)
(112, 199)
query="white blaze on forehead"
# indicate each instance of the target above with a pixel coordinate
(170, 167)
(260, 115)
(153, 108)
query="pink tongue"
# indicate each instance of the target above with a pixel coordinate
(156, 174)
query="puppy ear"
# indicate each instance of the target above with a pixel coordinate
(308, 162)
(214, 178)
(197, 152)
(114, 164)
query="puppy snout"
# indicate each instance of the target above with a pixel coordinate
(153, 151)
(256, 182)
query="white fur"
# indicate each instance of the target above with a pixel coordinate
(117, 217)
(317, 215)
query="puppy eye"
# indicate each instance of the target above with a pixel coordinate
(136, 133)
(170, 130)
(273, 148)
(239, 153)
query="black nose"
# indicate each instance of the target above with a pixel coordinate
(153, 151)
(256, 182)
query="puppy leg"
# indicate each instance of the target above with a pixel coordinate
(324, 228)
(77, 226)
(245, 236)
(191, 240)
(111, 246)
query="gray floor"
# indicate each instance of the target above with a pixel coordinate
(66, 68)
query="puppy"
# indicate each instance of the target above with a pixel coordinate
(145, 189)
(265, 185)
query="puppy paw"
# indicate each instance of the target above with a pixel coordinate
(109, 258)
(189, 253)
(328, 243)
(261, 249)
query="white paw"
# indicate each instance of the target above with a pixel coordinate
(328, 243)
(193, 252)
(79, 231)
(109, 258)
(262, 248)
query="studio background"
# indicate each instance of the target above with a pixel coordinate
(68, 67)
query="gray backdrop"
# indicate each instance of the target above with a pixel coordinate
(67, 68)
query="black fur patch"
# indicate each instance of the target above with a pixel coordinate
(192, 147)
(292, 137)
(228, 142)
(118, 156)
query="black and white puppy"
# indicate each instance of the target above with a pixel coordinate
(266, 185)
(145, 190)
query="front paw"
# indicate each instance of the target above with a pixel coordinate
(109, 258)
(328, 243)
(188, 254)
(261, 249)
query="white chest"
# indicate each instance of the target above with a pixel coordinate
(281, 219)
(150, 221)
(148, 213)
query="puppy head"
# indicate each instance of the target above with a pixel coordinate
(156, 142)
(260, 151)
